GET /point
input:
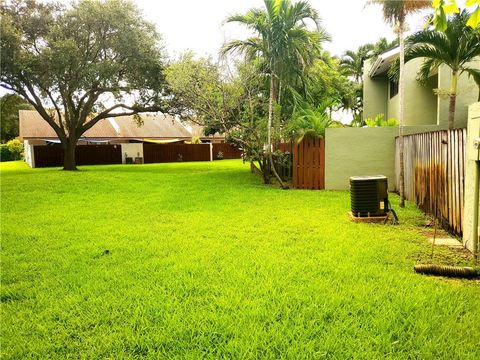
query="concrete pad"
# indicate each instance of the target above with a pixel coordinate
(446, 241)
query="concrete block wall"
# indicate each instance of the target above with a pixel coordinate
(363, 151)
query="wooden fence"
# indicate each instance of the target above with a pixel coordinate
(309, 164)
(229, 151)
(49, 156)
(159, 153)
(434, 174)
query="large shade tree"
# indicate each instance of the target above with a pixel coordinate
(80, 64)
(284, 43)
(395, 13)
(456, 47)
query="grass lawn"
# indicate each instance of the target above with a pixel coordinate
(205, 261)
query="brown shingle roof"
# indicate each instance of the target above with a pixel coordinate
(154, 126)
(32, 125)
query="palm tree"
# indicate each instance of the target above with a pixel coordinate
(352, 61)
(383, 45)
(351, 64)
(395, 13)
(309, 121)
(285, 45)
(455, 47)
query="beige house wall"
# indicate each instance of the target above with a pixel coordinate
(472, 176)
(375, 93)
(420, 100)
(467, 93)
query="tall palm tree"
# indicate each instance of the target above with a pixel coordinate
(284, 43)
(395, 13)
(455, 47)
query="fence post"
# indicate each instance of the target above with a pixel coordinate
(211, 152)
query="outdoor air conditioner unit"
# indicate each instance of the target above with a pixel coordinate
(369, 195)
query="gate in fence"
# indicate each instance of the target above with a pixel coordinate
(309, 164)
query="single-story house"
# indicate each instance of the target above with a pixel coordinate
(121, 131)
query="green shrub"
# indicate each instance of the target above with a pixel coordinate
(10, 151)
(380, 121)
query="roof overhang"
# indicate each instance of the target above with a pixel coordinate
(384, 62)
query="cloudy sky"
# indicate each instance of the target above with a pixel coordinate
(198, 25)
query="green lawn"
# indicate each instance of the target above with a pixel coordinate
(205, 261)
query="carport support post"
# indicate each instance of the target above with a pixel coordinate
(211, 152)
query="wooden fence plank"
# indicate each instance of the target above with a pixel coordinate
(309, 164)
(434, 174)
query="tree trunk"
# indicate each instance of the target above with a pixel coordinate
(69, 161)
(270, 116)
(269, 136)
(453, 99)
(401, 94)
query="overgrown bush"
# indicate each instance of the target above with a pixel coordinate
(12, 150)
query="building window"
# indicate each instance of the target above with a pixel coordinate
(393, 88)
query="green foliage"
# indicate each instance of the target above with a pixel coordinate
(309, 121)
(10, 104)
(285, 48)
(195, 140)
(327, 80)
(282, 40)
(455, 47)
(12, 150)
(234, 105)
(201, 93)
(211, 264)
(380, 121)
(445, 8)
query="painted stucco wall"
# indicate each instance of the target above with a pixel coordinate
(467, 94)
(420, 100)
(422, 105)
(131, 150)
(362, 151)
(472, 166)
(375, 93)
